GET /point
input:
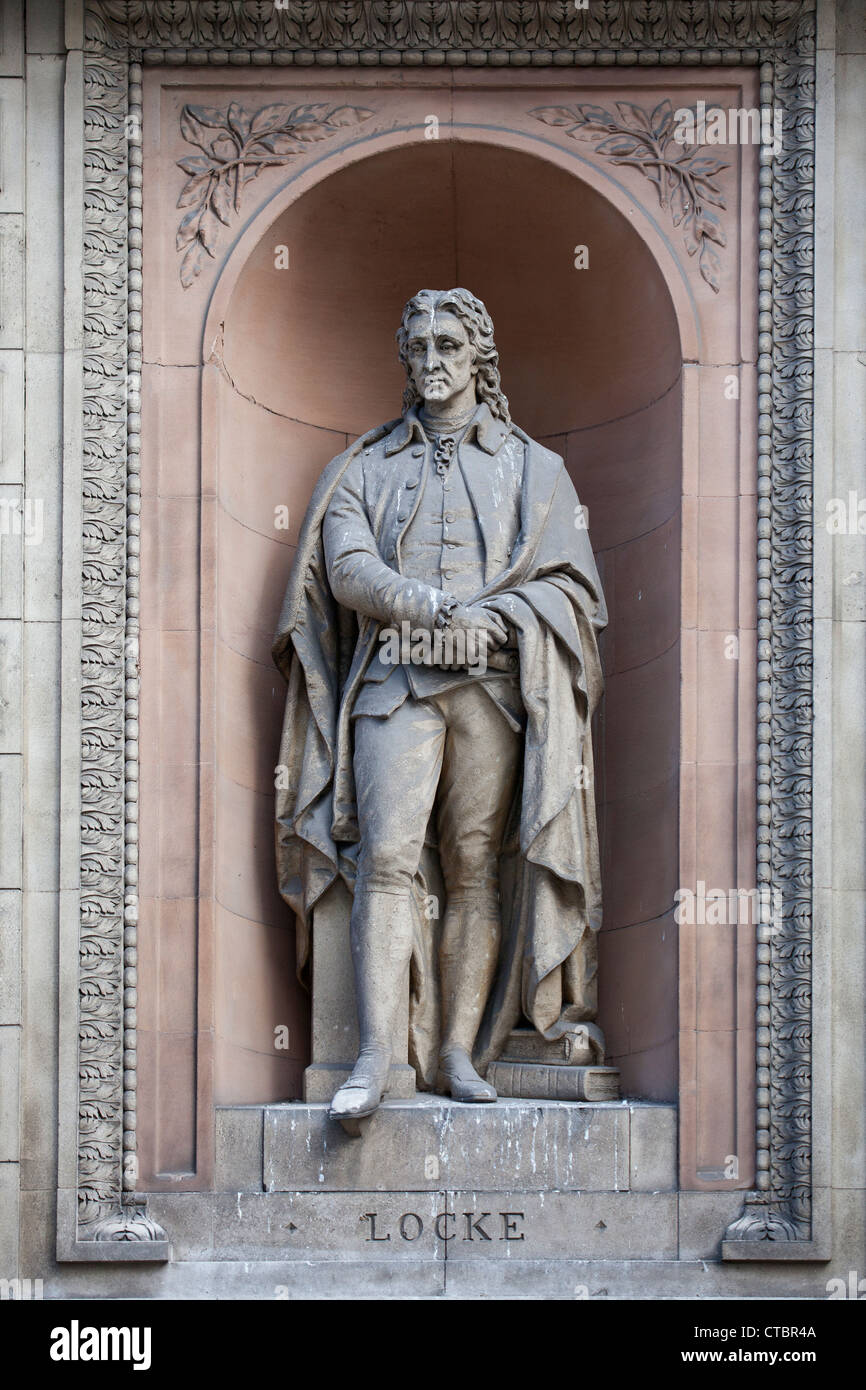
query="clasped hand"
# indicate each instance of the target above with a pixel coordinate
(475, 632)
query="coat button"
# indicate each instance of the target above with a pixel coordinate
(411, 482)
(417, 453)
(401, 516)
(449, 516)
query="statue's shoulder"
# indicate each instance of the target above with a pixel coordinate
(370, 446)
(339, 467)
(545, 463)
(367, 441)
(376, 439)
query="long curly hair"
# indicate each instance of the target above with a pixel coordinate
(479, 328)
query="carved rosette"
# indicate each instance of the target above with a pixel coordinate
(120, 34)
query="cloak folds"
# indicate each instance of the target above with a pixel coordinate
(550, 874)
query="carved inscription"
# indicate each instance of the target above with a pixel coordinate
(478, 1226)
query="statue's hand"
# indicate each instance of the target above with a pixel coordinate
(490, 627)
(477, 633)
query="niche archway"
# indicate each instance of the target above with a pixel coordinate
(592, 365)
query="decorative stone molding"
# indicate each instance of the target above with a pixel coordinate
(778, 34)
(781, 1209)
(486, 31)
(110, 629)
(683, 175)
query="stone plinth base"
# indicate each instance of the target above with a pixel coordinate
(432, 1143)
(322, 1080)
(430, 1179)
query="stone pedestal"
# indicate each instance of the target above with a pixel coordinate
(431, 1143)
(432, 1180)
(322, 1080)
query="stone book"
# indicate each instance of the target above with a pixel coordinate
(543, 1081)
(527, 1045)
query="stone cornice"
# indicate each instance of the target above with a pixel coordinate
(486, 31)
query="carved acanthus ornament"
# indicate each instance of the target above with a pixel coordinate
(476, 27)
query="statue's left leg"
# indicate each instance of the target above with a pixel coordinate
(481, 764)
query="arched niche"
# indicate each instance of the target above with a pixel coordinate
(299, 361)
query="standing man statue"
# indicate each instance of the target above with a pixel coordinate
(448, 522)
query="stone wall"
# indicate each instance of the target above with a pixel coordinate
(40, 165)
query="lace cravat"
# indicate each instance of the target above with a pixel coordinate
(444, 452)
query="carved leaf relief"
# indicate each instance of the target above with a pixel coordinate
(236, 145)
(684, 175)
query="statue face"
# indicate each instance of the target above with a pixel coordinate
(440, 357)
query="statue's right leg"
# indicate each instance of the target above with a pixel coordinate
(397, 762)
(381, 933)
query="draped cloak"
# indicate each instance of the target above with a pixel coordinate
(550, 878)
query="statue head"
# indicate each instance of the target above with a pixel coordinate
(445, 339)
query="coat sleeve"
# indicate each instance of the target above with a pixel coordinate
(358, 576)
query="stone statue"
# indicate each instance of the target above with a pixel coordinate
(438, 637)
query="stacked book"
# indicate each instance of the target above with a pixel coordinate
(570, 1067)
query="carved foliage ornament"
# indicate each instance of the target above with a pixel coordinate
(106, 1032)
(423, 25)
(236, 146)
(683, 174)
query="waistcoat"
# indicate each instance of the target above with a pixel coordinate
(443, 545)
